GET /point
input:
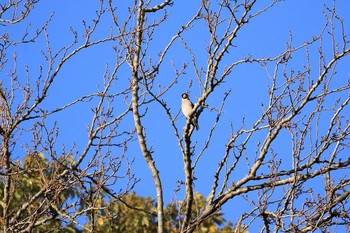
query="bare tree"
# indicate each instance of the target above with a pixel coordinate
(306, 111)
(58, 173)
(298, 99)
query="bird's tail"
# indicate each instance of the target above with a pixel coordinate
(195, 122)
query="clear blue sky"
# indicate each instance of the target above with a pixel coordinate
(264, 36)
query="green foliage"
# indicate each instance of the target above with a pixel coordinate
(27, 181)
(131, 214)
(117, 217)
(139, 217)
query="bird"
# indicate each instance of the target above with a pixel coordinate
(186, 107)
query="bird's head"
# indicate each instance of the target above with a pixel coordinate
(184, 96)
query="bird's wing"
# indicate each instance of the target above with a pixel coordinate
(192, 105)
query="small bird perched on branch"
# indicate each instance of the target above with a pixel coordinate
(186, 108)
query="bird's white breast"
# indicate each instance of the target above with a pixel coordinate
(186, 107)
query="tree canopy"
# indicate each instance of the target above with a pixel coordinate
(93, 138)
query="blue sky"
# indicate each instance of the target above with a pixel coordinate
(264, 36)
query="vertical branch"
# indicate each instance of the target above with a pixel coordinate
(6, 199)
(189, 177)
(135, 66)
